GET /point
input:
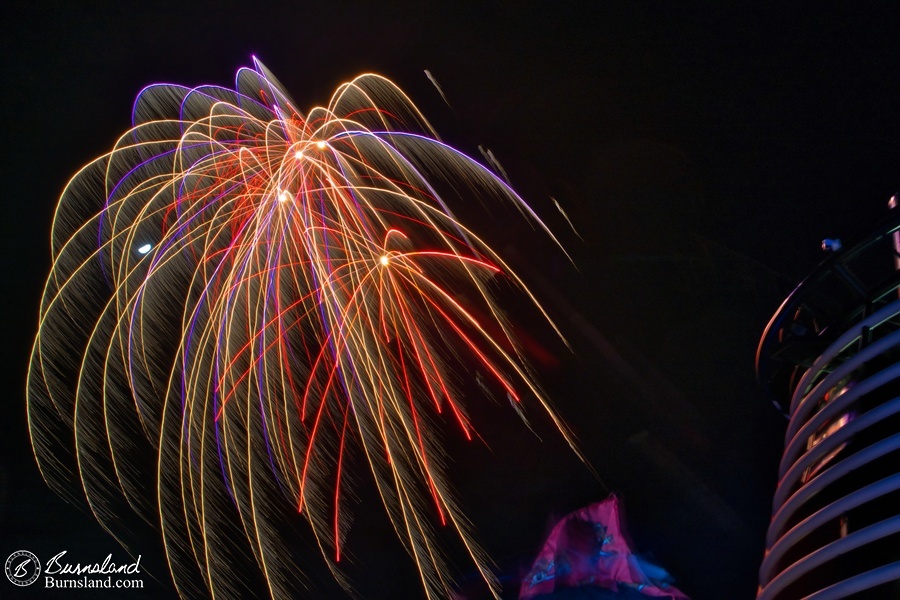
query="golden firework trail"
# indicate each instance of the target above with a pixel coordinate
(242, 297)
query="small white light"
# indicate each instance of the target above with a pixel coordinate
(284, 197)
(320, 145)
(145, 248)
(298, 154)
(384, 260)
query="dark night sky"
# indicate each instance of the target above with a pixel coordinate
(702, 152)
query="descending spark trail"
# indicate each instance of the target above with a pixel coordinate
(243, 296)
(437, 86)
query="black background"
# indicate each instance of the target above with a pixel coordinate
(703, 153)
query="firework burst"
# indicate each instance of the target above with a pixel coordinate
(242, 297)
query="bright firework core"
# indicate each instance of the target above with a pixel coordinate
(261, 348)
